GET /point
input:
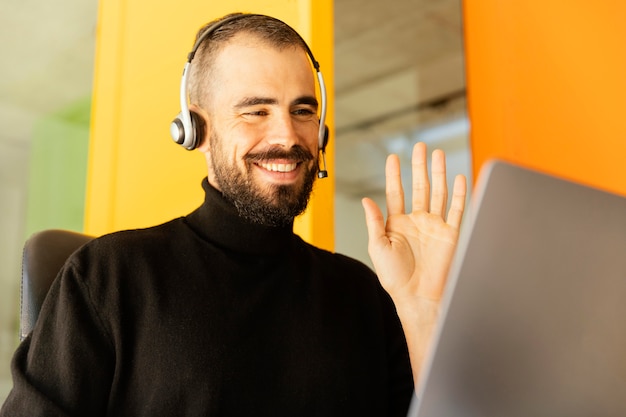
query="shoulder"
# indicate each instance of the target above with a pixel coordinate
(338, 261)
(130, 252)
(120, 268)
(349, 283)
(128, 242)
(342, 272)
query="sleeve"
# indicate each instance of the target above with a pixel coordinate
(65, 367)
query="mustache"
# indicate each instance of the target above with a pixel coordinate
(296, 153)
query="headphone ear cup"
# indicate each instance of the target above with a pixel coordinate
(326, 134)
(198, 126)
(177, 131)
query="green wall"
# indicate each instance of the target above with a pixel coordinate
(58, 169)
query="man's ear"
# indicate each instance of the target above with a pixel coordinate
(202, 127)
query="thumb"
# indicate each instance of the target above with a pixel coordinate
(375, 223)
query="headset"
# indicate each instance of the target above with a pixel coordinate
(186, 128)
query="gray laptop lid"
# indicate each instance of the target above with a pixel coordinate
(534, 319)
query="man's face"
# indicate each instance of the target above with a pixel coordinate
(263, 128)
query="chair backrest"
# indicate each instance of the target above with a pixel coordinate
(43, 256)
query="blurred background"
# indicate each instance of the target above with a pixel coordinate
(399, 79)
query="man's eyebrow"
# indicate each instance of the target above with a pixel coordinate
(258, 101)
(310, 100)
(255, 101)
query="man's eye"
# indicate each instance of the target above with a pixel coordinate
(257, 113)
(303, 112)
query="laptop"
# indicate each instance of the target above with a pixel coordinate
(533, 321)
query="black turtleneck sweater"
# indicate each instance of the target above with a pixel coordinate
(207, 315)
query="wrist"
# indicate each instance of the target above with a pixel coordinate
(416, 310)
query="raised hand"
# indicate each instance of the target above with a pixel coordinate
(412, 252)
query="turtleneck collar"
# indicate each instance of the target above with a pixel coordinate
(217, 220)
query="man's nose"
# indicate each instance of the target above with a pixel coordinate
(282, 130)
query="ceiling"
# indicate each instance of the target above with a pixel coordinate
(398, 72)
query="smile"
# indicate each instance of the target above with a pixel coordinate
(279, 167)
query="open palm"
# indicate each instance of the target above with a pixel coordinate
(412, 252)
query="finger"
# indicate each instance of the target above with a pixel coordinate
(457, 205)
(439, 198)
(375, 223)
(394, 191)
(421, 185)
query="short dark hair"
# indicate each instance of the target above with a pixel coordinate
(268, 29)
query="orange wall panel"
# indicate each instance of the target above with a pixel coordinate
(547, 86)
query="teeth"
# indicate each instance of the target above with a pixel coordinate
(279, 167)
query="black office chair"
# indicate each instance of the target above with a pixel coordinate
(43, 256)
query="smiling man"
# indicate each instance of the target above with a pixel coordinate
(226, 312)
(260, 110)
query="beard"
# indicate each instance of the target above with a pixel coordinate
(270, 205)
